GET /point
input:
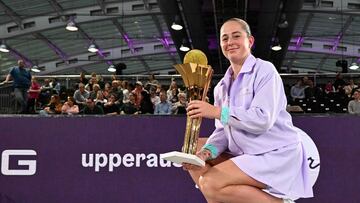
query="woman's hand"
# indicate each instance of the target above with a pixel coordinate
(198, 109)
(203, 154)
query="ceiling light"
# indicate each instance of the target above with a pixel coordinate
(176, 26)
(3, 48)
(354, 66)
(184, 48)
(276, 47)
(35, 69)
(112, 68)
(92, 48)
(71, 26)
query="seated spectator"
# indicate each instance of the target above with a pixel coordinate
(54, 106)
(174, 96)
(80, 96)
(349, 88)
(100, 100)
(91, 83)
(354, 105)
(311, 91)
(146, 106)
(117, 91)
(154, 98)
(172, 92)
(126, 91)
(129, 107)
(297, 90)
(34, 93)
(107, 90)
(164, 107)
(329, 88)
(46, 92)
(110, 108)
(180, 106)
(95, 89)
(91, 108)
(70, 107)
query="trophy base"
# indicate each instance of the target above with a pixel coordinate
(180, 157)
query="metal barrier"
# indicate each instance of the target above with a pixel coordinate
(8, 104)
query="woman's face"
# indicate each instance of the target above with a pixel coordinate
(234, 41)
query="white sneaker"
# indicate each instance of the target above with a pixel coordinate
(288, 201)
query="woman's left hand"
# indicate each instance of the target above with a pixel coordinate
(198, 109)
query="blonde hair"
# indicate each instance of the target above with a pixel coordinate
(245, 26)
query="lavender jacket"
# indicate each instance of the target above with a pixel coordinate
(258, 121)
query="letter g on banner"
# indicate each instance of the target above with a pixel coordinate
(5, 157)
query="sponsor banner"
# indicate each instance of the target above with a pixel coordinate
(117, 159)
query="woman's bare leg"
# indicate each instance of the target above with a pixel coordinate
(225, 182)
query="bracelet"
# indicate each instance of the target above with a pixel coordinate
(224, 118)
(213, 150)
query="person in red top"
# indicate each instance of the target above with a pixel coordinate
(33, 96)
(137, 92)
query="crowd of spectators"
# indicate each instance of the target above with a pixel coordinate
(95, 96)
(337, 96)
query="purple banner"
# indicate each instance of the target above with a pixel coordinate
(116, 159)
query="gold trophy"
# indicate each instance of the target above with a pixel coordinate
(196, 75)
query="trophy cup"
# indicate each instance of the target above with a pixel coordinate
(196, 75)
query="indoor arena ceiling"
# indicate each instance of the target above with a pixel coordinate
(313, 34)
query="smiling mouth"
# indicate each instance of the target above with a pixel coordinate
(231, 49)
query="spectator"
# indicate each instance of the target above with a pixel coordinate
(93, 80)
(117, 91)
(46, 92)
(82, 79)
(349, 89)
(70, 107)
(21, 84)
(91, 108)
(100, 100)
(164, 107)
(329, 88)
(107, 90)
(54, 106)
(297, 90)
(311, 91)
(154, 98)
(137, 92)
(81, 95)
(146, 106)
(129, 107)
(180, 106)
(339, 82)
(95, 89)
(56, 86)
(34, 93)
(354, 105)
(110, 108)
(172, 92)
(126, 91)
